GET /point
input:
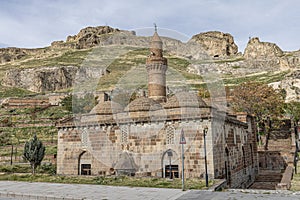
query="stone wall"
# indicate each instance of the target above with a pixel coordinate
(235, 155)
(26, 102)
(146, 143)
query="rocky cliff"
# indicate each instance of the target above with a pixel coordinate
(291, 84)
(261, 50)
(88, 37)
(12, 53)
(45, 79)
(41, 79)
(217, 44)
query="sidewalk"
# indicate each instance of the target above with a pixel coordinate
(55, 191)
(52, 191)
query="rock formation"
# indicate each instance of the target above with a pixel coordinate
(261, 50)
(291, 84)
(41, 79)
(48, 78)
(87, 37)
(217, 44)
(11, 54)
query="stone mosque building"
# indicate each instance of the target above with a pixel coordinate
(143, 139)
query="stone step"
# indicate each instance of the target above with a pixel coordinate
(268, 178)
(263, 185)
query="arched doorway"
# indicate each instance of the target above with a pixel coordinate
(227, 167)
(84, 163)
(244, 161)
(251, 154)
(170, 164)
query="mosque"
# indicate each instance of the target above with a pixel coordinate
(146, 137)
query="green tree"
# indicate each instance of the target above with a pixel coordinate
(262, 101)
(67, 103)
(34, 152)
(4, 138)
(292, 109)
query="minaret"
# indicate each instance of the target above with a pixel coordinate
(156, 66)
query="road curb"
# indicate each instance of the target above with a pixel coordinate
(35, 197)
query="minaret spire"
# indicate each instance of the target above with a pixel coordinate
(156, 66)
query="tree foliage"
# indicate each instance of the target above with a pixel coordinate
(34, 152)
(4, 138)
(260, 100)
(292, 109)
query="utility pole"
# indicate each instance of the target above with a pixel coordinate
(182, 142)
(205, 158)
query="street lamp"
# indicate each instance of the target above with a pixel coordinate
(205, 159)
(170, 154)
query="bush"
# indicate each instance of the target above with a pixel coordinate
(15, 168)
(47, 168)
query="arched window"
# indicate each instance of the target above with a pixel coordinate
(227, 167)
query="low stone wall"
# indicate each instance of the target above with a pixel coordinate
(285, 183)
(219, 185)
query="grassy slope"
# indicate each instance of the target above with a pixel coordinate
(113, 180)
(18, 136)
(295, 185)
(118, 68)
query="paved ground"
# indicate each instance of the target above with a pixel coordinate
(240, 195)
(24, 190)
(50, 191)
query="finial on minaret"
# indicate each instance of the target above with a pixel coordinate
(155, 27)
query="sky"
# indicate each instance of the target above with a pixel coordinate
(36, 23)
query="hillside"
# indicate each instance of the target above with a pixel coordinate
(104, 59)
(111, 53)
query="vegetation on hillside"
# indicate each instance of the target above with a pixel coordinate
(13, 92)
(19, 126)
(260, 100)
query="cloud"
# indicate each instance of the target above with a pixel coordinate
(37, 23)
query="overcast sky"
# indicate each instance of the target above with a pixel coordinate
(36, 23)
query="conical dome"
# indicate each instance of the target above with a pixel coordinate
(156, 45)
